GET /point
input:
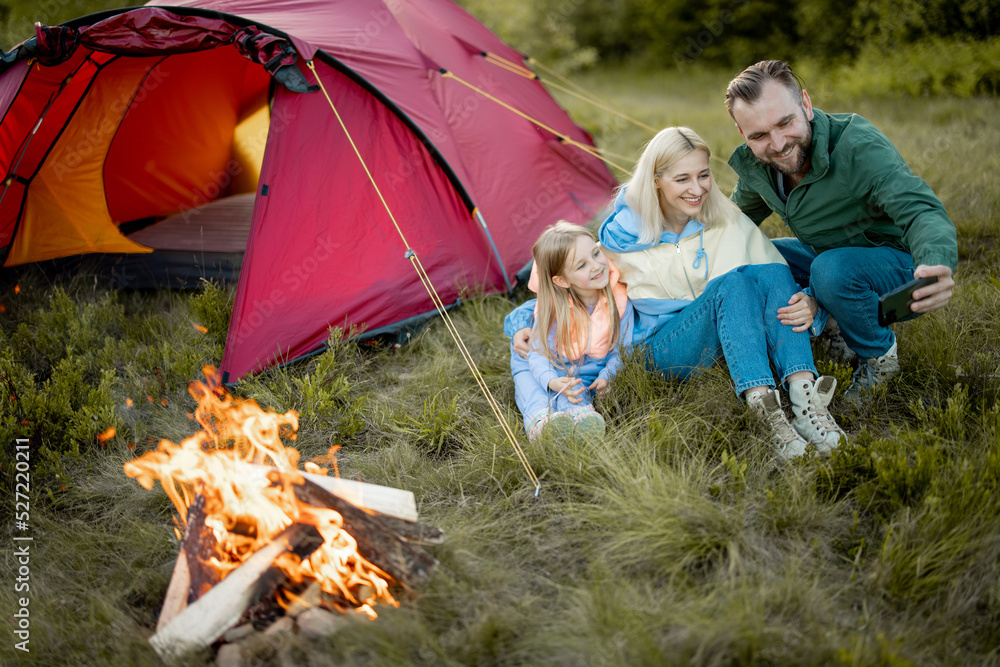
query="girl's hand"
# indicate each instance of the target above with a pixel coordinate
(564, 386)
(600, 386)
(799, 312)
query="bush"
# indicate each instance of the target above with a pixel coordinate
(541, 29)
(936, 66)
(213, 308)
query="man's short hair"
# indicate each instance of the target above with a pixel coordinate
(749, 84)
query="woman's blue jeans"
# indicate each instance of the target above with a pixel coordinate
(736, 317)
(847, 282)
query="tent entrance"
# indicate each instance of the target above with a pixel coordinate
(170, 146)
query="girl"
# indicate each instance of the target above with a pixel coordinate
(581, 313)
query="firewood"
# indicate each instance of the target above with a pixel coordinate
(412, 531)
(199, 546)
(377, 542)
(176, 598)
(382, 499)
(195, 544)
(206, 619)
(386, 500)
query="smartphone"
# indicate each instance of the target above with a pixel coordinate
(895, 305)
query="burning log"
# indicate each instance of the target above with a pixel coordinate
(412, 531)
(188, 583)
(382, 499)
(385, 500)
(205, 620)
(377, 542)
(199, 546)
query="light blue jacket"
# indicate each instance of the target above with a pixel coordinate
(588, 368)
(619, 233)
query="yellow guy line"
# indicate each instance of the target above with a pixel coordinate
(566, 80)
(509, 65)
(552, 84)
(595, 152)
(587, 97)
(435, 297)
(579, 93)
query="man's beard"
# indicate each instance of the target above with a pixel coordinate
(805, 150)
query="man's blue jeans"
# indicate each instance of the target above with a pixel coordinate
(847, 283)
(736, 317)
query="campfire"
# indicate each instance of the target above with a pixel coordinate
(256, 532)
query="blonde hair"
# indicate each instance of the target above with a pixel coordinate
(643, 197)
(561, 307)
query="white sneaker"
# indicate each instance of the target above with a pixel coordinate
(871, 373)
(559, 424)
(811, 418)
(589, 422)
(787, 442)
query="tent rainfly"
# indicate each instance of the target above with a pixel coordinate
(311, 146)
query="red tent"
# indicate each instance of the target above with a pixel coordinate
(178, 135)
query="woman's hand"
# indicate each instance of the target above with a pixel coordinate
(799, 312)
(564, 386)
(521, 342)
(600, 386)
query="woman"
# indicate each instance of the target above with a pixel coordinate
(706, 283)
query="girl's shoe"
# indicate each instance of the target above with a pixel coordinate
(557, 424)
(589, 423)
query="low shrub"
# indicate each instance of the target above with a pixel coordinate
(933, 66)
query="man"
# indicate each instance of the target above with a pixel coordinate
(864, 224)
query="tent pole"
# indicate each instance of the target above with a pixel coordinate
(489, 237)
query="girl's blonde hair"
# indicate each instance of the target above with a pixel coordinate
(642, 196)
(561, 307)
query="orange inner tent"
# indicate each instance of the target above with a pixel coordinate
(148, 138)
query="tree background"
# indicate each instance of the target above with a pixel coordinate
(908, 46)
(913, 47)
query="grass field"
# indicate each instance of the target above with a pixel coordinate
(674, 540)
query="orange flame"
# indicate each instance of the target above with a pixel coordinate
(246, 506)
(107, 435)
(200, 328)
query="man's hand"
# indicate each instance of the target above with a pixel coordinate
(564, 386)
(799, 312)
(933, 296)
(600, 386)
(521, 341)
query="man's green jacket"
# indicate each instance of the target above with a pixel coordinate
(859, 192)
